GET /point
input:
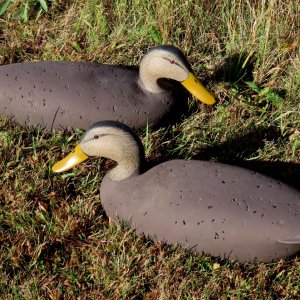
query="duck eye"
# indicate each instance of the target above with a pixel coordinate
(172, 61)
(96, 136)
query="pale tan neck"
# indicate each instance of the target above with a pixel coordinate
(125, 169)
(126, 152)
(149, 75)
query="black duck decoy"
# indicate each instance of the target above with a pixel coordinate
(219, 209)
(52, 93)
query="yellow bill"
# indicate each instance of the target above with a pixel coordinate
(74, 158)
(197, 89)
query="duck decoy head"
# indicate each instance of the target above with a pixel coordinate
(167, 61)
(107, 139)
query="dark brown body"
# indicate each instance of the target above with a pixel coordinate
(219, 209)
(74, 95)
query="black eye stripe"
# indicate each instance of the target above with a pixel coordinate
(96, 136)
(173, 62)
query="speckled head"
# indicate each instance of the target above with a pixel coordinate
(167, 61)
(107, 139)
(171, 52)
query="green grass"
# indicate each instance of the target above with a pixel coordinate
(55, 242)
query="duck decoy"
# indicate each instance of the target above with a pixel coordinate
(210, 207)
(51, 93)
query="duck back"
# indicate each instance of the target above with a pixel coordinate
(209, 207)
(63, 95)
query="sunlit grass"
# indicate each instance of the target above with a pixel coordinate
(55, 241)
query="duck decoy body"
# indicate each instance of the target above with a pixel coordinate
(210, 207)
(51, 93)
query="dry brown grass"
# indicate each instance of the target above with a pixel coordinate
(55, 241)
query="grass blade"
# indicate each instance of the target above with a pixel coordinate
(44, 5)
(3, 6)
(253, 86)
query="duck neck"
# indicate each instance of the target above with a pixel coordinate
(129, 161)
(149, 74)
(126, 168)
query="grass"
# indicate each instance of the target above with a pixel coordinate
(55, 241)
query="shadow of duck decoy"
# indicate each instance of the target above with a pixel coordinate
(237, 150)
(235, 68)
(52, 93)
(210, 207)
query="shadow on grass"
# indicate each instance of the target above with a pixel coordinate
(236, 67)
(237, 150)
(287, 172)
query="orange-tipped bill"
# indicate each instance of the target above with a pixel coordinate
(74, 158)
(196, 88)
